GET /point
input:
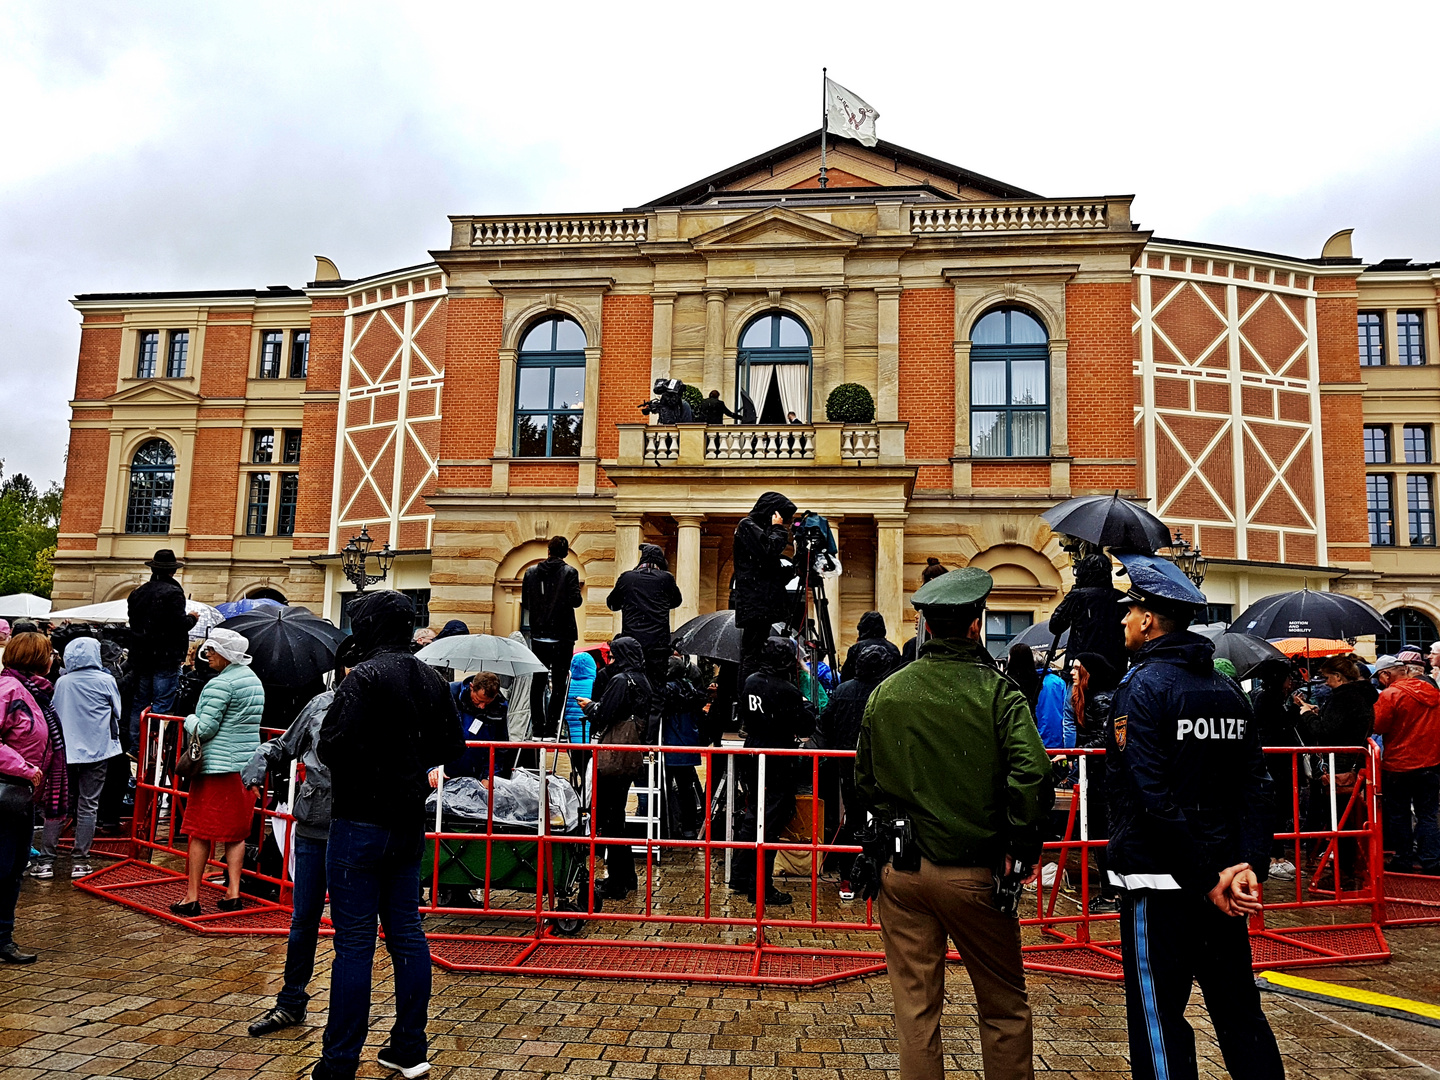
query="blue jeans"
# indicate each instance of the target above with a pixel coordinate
(308, 905)
(15, 832)
(1400, 791)
(154, 690)
(374, 871)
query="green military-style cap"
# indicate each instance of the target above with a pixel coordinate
(961, 588)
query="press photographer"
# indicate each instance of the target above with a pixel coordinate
(669, 404)
(758, 592)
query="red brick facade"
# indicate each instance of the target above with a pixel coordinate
(927, 380)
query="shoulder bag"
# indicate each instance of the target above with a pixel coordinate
(17, 797)
(191, 759)
(621, 764)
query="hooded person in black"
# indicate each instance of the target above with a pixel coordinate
(627, 693)
(392, 721)
(839, 729)
(550, 592)
(871, 630)
(1091, 611)
(776, 714)
(758, 594)
(645, 597)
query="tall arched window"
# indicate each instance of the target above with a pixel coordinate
(1009, 386)
(1409, 629)
(550, 389)
(774, 367)
(152, 488)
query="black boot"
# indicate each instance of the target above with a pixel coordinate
(10, 954)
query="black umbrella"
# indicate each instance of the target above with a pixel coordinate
(714, 636)
(1309, 614)
(1040, 636)
(1245, 651)
(291, 646)
(1109, 521)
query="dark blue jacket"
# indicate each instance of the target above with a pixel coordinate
(491, 725)
(1188, 792)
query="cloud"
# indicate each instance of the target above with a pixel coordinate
(166, 147)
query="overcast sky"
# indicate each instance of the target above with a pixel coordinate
(181, 146)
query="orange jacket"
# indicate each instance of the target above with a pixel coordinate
(1408, 715)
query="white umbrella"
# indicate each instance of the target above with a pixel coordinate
(482, 652)
(24, 605)
(207, 618)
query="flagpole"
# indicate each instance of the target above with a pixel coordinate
(824, 124)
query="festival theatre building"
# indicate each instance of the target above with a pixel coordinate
(1277, 410)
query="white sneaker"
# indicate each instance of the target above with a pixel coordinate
(79, 869)
(40, 870)
(1282, 870)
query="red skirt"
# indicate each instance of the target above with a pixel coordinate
(220, 808)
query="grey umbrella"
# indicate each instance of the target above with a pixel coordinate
(482, 652)
(1245, 651)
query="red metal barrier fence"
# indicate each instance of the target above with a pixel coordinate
(524, 902)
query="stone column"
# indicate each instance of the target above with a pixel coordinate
(589, 421)
(832, 372)
(687, 567)
(714, 339)
(960, 467)
(890, 574)
(887, 354)
(505, 422)
(627, 548)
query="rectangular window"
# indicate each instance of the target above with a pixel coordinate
(289, 499)
(1379, 504)
(1372, 339)
(1409, 338)
(264, 447)
(420, 596)
(1377, 444)
(1417, 444)
(270, 354)
(300, 354)
(179, 351)
(549, 404)
(1219, 613)
(148, 354)
(290, 451)
(1002, 627)
(1419, 492)
(258, 510)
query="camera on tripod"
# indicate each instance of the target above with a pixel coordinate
(669, 403)
(812, 536)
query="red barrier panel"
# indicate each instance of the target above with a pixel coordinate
(512, 899)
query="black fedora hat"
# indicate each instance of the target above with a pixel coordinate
(164, 560)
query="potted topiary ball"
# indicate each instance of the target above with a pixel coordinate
(694, 396)
(850, 403)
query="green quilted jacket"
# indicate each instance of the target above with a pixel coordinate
(227, 720)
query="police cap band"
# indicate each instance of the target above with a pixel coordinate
(960, 588)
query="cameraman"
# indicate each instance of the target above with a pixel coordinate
(669, 403)
(758, 593)
(949, 746)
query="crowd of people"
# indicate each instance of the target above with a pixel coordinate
(949, 794)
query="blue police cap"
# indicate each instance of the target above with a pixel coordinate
(1160, 584)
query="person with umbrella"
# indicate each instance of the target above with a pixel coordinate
(1091, 612)
(483, 718)
(1189, 836)
(1344, 717)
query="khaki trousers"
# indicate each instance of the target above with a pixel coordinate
(917, 912)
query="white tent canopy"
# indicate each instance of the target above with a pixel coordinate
(24, 605)
(118, 611)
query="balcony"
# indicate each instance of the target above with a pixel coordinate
(760, 445)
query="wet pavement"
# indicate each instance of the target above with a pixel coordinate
(118, 994)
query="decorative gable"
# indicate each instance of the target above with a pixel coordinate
(154, 393)
(777, 227)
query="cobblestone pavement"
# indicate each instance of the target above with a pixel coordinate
(117, 994)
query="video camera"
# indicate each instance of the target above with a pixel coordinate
(668, 393)
(811, 533)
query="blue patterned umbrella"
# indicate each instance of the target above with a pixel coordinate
(240, 607)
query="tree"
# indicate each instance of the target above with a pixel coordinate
(29, 523)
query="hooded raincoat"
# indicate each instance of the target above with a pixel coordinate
(87, 700)
(758, 594)
(871, 631)
(628, 691)
(645, 597)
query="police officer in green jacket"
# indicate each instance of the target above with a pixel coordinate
(949, 745)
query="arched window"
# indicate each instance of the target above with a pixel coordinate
(550, 389)
(1009, 386)
(774, 367)
(1409, 629)
(152, 488)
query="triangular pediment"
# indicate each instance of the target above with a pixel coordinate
(776, 227)
(796, 165)
(153, 393)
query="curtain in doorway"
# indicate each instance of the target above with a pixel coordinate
(794, 382)
(760, 376)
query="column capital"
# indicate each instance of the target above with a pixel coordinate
(690, 521)
(836, 292)
(621, 520)
(715, 295)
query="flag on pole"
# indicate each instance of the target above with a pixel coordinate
(847, 114)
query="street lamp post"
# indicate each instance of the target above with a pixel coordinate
(1190, 560)
(355, 555)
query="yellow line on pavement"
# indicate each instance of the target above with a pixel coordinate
(1352, 995)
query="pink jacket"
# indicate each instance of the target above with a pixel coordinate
(24, 735)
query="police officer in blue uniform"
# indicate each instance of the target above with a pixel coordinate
(1190, 836)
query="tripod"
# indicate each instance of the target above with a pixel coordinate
(815, 620)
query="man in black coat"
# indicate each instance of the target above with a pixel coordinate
(1091, 611)
(1190, 836)
(713, 410)
(159, 638)
(391, 722)
(776, 714)
(645, 597)
(871, 631)
(550, 592)
(758, 594)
